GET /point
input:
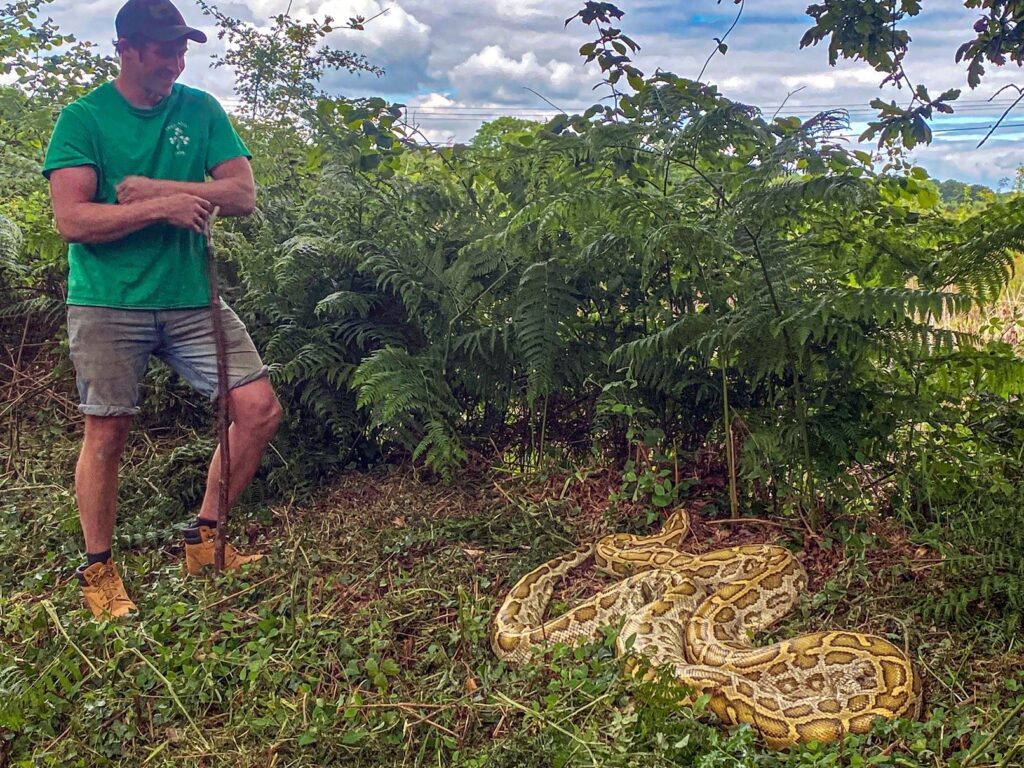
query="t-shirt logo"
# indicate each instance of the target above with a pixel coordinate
(177, 137)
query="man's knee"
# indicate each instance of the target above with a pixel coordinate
(270, 414)
(255, 408)
(105, 436)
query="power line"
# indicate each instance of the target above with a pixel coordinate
(471, 109)
(417, 115)
(428, 114)
(960, 106)
(976, 128)
(481, 113)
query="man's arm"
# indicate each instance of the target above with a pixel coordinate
(231, 188)
(80, 220)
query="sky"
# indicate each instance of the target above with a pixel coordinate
(457, 63)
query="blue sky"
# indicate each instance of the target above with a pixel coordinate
(459, 62)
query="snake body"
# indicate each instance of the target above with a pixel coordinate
(694, 614)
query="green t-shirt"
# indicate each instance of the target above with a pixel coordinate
(181, 139)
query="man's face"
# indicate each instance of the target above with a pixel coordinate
(160, 64)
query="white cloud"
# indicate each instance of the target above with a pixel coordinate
(997, 159)
(393, 28)
(491, 74)
(523, 9)
(810, 82)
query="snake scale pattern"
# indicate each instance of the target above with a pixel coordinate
(694, 614)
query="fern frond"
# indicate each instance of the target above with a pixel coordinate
(391, 271)
(544, 302)
(411, 401)
(690, 332)
(47, 310)
(786, 194)
(483, 343)
(981, 262)
(341, 303)
(10, 245)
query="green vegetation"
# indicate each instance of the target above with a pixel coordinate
(366, 643)
(488, 353)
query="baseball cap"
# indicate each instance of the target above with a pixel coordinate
(156, 20)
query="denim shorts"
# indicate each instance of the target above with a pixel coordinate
(111, 349)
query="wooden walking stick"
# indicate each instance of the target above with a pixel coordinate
(223, 417)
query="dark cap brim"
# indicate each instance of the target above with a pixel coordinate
(166, 34)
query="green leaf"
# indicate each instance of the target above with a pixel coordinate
(353, 737)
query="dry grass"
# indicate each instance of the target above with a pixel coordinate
(1003, 319)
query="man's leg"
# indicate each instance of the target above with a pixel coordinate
(96, 490)
(255, 414)
(96, 478)
(110, 349)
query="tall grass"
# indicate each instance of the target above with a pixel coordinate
(1003, 319)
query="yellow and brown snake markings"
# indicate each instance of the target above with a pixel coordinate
(696, 613)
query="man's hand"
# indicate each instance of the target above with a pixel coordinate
(135, 189)
(187, 211)
(231, 188)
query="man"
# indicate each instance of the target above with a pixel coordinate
(128, 166)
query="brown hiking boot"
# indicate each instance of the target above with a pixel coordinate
(199, 552)
(104, 591)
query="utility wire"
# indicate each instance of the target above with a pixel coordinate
(466, 113)
(960, 106)
(417, 115)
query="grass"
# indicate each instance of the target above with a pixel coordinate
(363, 641)
(1003, 319)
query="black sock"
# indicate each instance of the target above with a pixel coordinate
(98, 557)
(204, 522)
